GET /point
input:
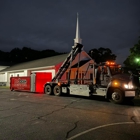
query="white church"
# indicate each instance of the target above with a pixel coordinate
(49, 64)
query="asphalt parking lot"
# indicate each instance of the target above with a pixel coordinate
(28, 116)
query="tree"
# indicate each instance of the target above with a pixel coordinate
(102, 55)
(15, 55)
(25, 54)
(4, 56)
(133, 60)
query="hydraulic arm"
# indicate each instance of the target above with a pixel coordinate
(67, 62)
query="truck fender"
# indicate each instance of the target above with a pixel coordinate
(110, 89)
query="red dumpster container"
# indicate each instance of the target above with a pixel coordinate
(40, 79)
(20, 83)
(33, 83)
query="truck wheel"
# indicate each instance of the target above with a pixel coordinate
(57, 90)
(117, 96)
(48, 89)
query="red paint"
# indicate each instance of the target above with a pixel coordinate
(24, 83)
(57, 67)
(20, 83)
(56, 70)
(41, 79)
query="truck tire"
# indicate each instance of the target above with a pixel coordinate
(48, 89)
(117, 96)
(57, 90)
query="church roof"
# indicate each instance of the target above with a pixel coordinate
(81, 63)
(44, 62)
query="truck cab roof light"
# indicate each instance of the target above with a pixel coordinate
(110, 63)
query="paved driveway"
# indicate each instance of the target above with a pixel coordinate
(28, 116)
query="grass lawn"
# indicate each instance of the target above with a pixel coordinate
(4, 87)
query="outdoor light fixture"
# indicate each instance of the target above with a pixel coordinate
(137, 59)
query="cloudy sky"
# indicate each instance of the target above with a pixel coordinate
(51, 24)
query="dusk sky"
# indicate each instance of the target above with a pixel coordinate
(51, 24)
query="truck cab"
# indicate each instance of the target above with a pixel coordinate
(105, 71)
(110, 81)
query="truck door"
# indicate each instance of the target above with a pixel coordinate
(105, 76)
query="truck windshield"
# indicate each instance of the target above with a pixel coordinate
(115, 69)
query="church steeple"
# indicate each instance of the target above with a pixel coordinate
(77, 37)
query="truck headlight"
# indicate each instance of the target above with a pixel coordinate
(125, 85)
(128, 86)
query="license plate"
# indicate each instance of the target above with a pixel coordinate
(129, 93)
